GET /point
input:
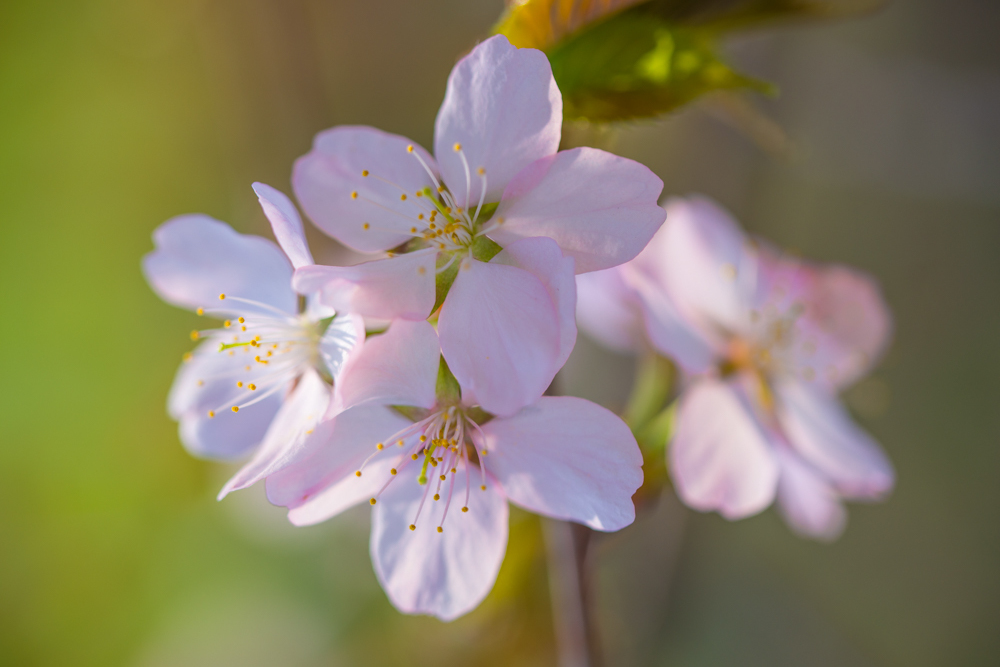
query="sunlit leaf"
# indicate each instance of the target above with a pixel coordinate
(541, 24)
(638, 65)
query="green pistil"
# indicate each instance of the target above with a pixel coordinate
(422, 479)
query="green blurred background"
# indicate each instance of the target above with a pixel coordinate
(116, 115)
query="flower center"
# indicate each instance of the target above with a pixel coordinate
(437, 221)
(269, 349)
(434, 449)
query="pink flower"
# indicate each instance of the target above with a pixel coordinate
(439, 470)
(261, 380)
(497, 179)
(767, 342)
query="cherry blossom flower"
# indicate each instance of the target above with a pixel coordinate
(767, 341)
(262, 379)
(440, 471)
(495, 178)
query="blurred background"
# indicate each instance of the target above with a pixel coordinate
(116, 115)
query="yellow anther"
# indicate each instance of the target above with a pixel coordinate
(437, 496)
(257, 338)
(432, 226)
(194, 335)
(483, 487)
(453, 470)
(392, 471)
(442, 478)
(419, 193)
(379, 446)
(227, 324)
(188, 356)
(372, 501)
(465, 509)
(240, 320)
(458, 147)
(365, 226)
(409, 149)
(357, 474)
(364, 172)
(201, 383)
(440, 188)
(222, 297)
(200, 311)
(483, 452)
(236, 408)
(413, 456)
(243, 327)
(421, 270)
(442, 246)
(402, 197)
(252, 387)
(239, 383)
(447, 209)
(440, 529)
(269, 353)
(423, 438)
(211, 413)
(481, 171)
(412, 527)
(354, 194)
(500, 220)
(400, 443)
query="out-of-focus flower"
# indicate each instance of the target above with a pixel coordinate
(497, 178)
(767, 341)
(439, 470)
(263, 377)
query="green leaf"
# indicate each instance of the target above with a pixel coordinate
(443, 281)
(448, 390)
(638, 65)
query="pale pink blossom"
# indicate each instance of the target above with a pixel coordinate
(766, 342)
(496, 178)
(261, 380)
(440, 471)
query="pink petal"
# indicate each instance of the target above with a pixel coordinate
(668, 330)
(208, 382)
(807, 501)
(499, 332)
(398, 287)
(198, 258)
(600, 208)
(320, 481)
(444, 574)
(325, 178)
(285, 223)
(398, 367)
(503, 107)
(845, 325)
(720, 457)
(287, 433)
(341, 341)
(542, 258)
(707, 265)
(608, 310)
(569, 459)
(822, 432)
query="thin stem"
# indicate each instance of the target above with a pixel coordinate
(566, 546)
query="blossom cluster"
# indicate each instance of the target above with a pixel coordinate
(415, 381)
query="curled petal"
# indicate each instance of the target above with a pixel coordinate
(499, 331)
(397, 287)
(443, 574)
(198, 258)
(543, 259)
(285, 223)
(398, 367)
(600, 208)
(366, 213)
(320, 481)
(569, 459)
(287, 433)
(720, 456)
(503, 108)
(822, 432)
